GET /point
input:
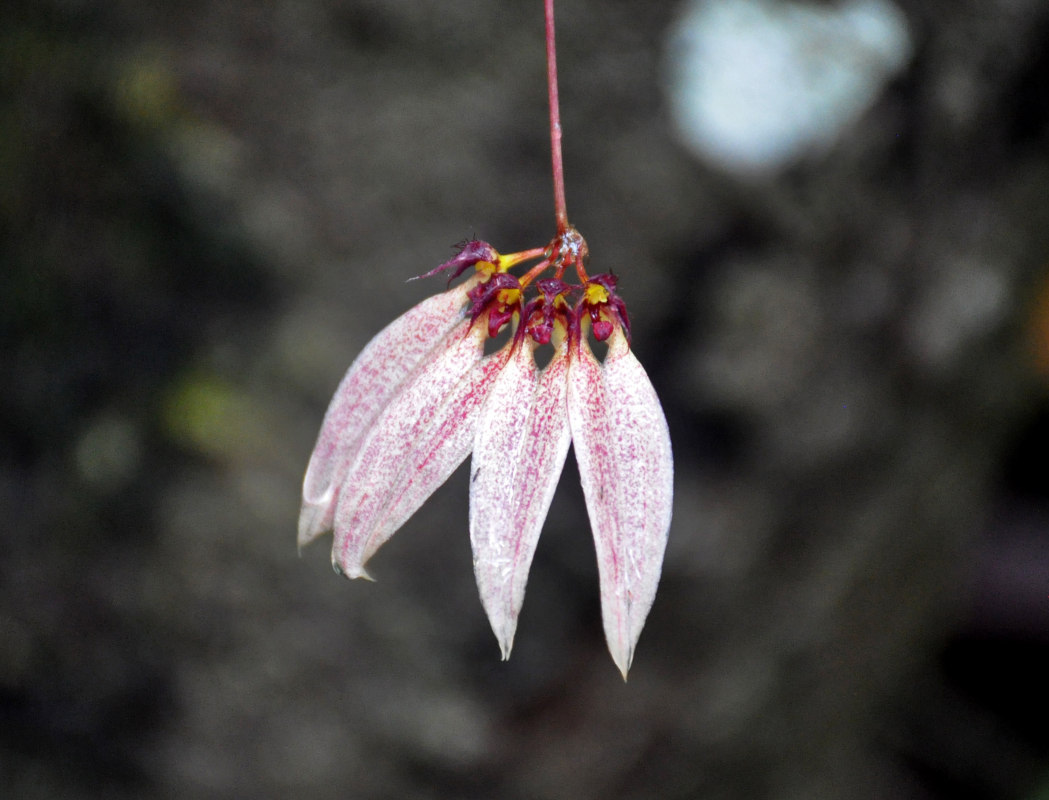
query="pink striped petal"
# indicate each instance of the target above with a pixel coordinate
(370, 383)
(622, 446)
(441, 449)
(519, 450)
(388, 448)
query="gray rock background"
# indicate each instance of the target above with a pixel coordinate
(207, 209)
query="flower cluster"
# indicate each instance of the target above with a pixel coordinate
(423, 395)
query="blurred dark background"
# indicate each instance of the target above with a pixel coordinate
(207, 209)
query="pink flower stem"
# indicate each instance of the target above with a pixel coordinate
(560, 209)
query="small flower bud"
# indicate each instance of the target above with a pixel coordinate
(542, 311)
(499, 297)
(471, 253)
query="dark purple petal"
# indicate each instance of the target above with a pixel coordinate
(470, 254)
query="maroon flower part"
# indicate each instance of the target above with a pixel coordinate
(498, 298)
(471, 253)
(550, 307)
(604, 307)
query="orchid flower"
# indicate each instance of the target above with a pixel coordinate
(422, 396)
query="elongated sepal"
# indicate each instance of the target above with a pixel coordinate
(443, 446)
(471, 253)
(622, 446)
(519, 450)
(369, 385)
(410, 431)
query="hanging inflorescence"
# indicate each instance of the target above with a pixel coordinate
(423, 395)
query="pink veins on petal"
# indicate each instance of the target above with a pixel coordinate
(440, 449)
(369, 385)
(520, 448)
(622, 447)
(386, 449)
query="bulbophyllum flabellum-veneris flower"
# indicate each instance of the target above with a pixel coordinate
(423, 395)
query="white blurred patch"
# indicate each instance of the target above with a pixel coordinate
(754, 84)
